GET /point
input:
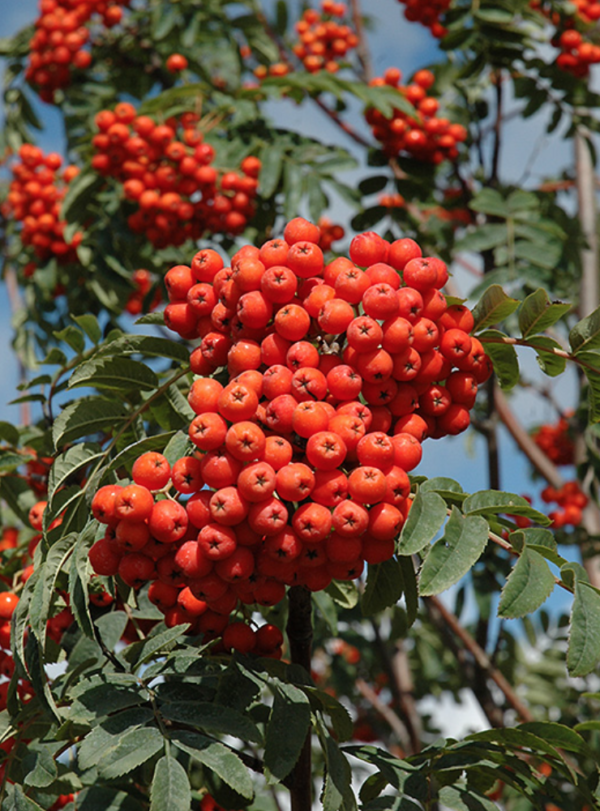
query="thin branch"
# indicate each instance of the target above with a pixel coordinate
(401, 689)
(544, 466)
(362, 49)
(481, 658)
(387, 713)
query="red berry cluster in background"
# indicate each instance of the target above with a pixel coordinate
(299, 474)
(166, 171)
(142, 280)
(556, 442)
(57, 47)
(324, 42)
(428, 13)
(34, 199)
(424, 135)
(571, 500)
(577, 51)
(330, 233)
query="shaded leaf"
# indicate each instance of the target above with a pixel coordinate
(383, 588)
(170, 787)
(288, 726)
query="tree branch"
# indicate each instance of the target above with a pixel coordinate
(300, 634)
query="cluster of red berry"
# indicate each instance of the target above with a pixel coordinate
(391, 200)
(166, 170)
(142, 280)
(59, 40)
(34, 199)
(423, 135)
(556, 442)
(571, 500)
(330, 233)
(577, 52)
(323, 42)
(294, 480)
(428, 13)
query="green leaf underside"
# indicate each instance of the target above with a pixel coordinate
(170, 786)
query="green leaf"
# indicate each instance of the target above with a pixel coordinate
(490, 201)
(583, 653)
(114, 374)
(39, 766)
(425, 519)
(78, 582)
(272, 166)
(454, 554)
(293, 187)
(9, 433)
(86, 417)
(528, 586)
(493, 307)
(66, 464)
(538, 313)
(343, 592)
(93, 798)
(494, 502)
(484, 238)
(593, 380)
(150, 345)
(383, 588)
(503, 356)
(44, 586)
(89, 324)
(170, 786)
(341, 721)
(327, 610)
(212, 718)
(337, 789)
(73, 337)
(134, 747)
(20, 802)
(411, 591)
(559, 735)
(141, 652)
(288, 726)
(585, 335)
(79, 192)
(218, 758)
(460, 799)
(104, 738)
(550, 363)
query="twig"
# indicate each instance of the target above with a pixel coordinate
(362, 49)
(401, 689)
(481, 659)
(387, 713)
